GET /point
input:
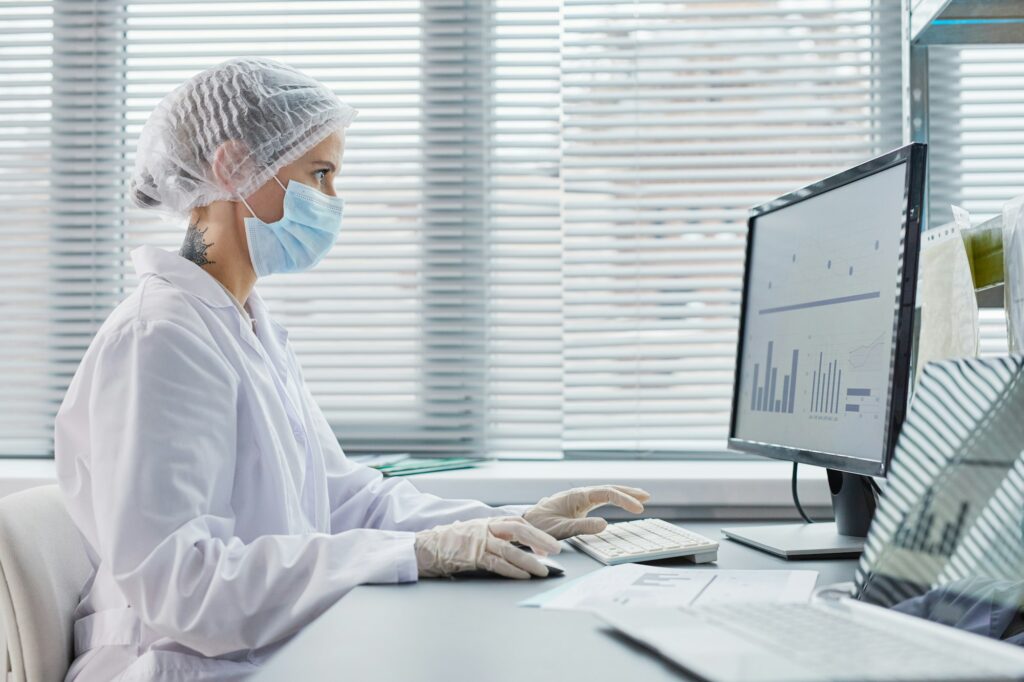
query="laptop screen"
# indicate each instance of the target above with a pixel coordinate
(947, 541)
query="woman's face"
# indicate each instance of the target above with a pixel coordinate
(316, 168)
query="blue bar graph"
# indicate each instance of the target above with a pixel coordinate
(753, 394)
(861, 402)
(792, 381)
(826, 387)
(771, 394)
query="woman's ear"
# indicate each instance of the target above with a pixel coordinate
(229, 162)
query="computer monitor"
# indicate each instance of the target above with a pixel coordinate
(825, 336)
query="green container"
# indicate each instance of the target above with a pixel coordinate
(984, 244)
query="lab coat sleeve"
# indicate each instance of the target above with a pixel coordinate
(163, 408)
(360, 496)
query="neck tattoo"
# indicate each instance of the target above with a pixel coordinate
(195, 246)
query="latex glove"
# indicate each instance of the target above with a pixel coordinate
(564, 514)
(484, 543)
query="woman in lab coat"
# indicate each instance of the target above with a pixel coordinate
(218, 509)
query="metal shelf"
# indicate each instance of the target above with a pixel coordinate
(967, 22)
(990, 297)
(929, 23)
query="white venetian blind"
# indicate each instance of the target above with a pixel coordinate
(678, 117)
(976, 143)
(35, 361)
(522, 347)
(450, 180)
(545, 199)
(434, 324)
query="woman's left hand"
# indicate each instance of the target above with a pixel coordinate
(564, 514)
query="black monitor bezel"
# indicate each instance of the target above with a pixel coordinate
(915, 156)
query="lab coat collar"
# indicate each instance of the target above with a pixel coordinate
(182, 273)
(261, 313)
(192, 279)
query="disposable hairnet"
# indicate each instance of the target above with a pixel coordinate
(276, 112)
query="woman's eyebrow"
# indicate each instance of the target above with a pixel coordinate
(327, 163)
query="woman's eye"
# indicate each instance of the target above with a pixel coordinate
(325, 171)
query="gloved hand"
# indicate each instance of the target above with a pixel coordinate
(564, 514)
(483, 543)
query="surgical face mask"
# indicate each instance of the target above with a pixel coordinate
(301, 238)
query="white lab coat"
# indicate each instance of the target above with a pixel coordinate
(220, 512)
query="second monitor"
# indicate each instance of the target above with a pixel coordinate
(826, 330)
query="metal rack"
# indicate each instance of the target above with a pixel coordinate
(951, 23)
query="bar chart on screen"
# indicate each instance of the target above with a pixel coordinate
(862, 402)
(770, 394)
(826, 385)
(922, 532)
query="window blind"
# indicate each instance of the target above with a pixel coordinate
(36, 360)
(678, 117)
(434, 323)
(545, 200)
(976, 143)
(450, 177)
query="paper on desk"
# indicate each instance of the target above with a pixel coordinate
(378, 460)
(1013, 272)
(641, 585)
(949, 308)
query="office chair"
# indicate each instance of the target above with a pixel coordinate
(43, 567)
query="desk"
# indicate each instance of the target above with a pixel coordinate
(471, 629)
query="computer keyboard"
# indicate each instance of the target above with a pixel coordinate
(646, 540)
(834, 640)
(826, 640)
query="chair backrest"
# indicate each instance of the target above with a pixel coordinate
(43, 567)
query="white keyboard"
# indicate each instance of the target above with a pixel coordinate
(838, 641)
(646, 540)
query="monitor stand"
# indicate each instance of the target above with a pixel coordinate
(854, 505)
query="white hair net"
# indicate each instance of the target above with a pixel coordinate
(276, 112)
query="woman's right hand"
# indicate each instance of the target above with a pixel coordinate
(486, 544)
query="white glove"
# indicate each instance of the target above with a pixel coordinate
(484, 543)
(564, 514)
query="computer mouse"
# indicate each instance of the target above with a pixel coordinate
(555, 569)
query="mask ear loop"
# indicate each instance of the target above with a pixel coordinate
(246, 203)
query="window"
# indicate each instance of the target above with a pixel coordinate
(976, 150)
(678, 118)
(545, 201)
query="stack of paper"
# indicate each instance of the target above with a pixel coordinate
(406, 465)
(652, 586)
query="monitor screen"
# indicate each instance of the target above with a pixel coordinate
(821, 323)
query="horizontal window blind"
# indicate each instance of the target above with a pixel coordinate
(678, 117)
(976, 143)
(36, 361)
(522, 231)
(450, 177)
(545, 200)
(432, 326)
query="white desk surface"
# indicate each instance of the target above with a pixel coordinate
(471, 629)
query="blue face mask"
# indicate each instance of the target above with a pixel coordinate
(300, 239)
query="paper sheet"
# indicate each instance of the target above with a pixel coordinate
(641, 585)
(1013, 272)
(949, 308)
